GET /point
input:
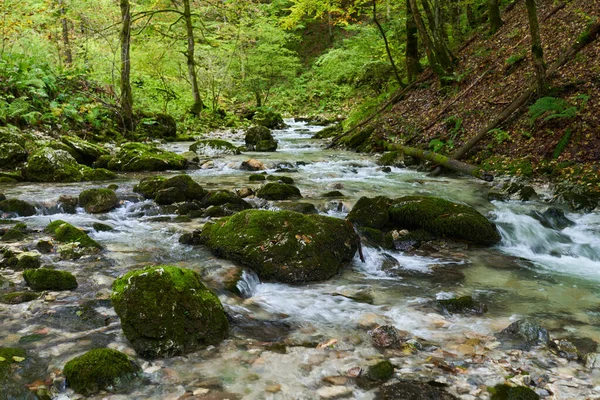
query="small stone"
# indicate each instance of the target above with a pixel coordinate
(49, 298)
(273, 388)
(354, 372)
(336, 380)
(334, 392)
(201, 392)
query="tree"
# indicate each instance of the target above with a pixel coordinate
(198, 105)
(494, 14)
(64, 22)
(413, 68)
(387, 47)
(126, 96)
(537, 51)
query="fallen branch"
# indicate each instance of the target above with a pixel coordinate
(443, 161)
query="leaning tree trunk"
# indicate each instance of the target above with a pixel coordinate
(198, 105)
(387, 46)
(67, 54)
(412, 46)
(126, 96)
(537, 51)
(494, 14)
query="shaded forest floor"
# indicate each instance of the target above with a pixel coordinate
(492, 72)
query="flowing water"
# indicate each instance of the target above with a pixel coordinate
(549, 275)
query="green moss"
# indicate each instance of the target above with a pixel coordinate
(18, 207)
(282, 245)
(279, 178)
(27, 260)
(462, 305)
(97, 175)
(50, 165)
(382, 371)
(223, 197)
(149, 186)
(166, 310)
(377, 237)
(391, 159)
(268, 118)
(505, 392)
(329, 132)
(333, 194)
(99, 369)
(49, 279)
(98, 200)
(18, 297)
(371, 212)
(278, 191)
(100, 227)
(7, 359)
(259, 138)
(143, 157)
(11, 154)
(190, 189)
(358, 139)
(213, 147)
(13, 234)
(257, 177)
(304, 208)
(67, 233)
(83, 151)
(443, 218)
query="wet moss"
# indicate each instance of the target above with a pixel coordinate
(257, 177)
(391, 159)
(223, 197)
(212, 147)
(371, 212)
(281, 178)
(333, 194)
(303, 208)
(16, 233)
(27, 260)
(8, 357)
(278, 191)
(149, 186)
(51, 165)
(19, 207)
(97, 175)
(382, 371)
(166, 310)
(18, 297)
(98, 200)
(259, 138)
(505, 392)
(377, 237)
(99, 369)
(49, 279)
(67, 233)
(83, 151)
(283, 246)
(443, 218)
(143, 157)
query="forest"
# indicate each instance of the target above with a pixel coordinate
(299, 199)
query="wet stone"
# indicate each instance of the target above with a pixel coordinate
(411, 390)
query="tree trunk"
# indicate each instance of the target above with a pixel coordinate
(198, 104)
(494, 15)
(126, 96)
(443, 161)
(387, 46)
(537, 51)
(67, 54)
(439, 38)
(413, 68)
(471, 16)
(434, 62)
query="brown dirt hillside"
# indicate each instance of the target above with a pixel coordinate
(492, 72)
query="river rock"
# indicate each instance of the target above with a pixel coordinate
(51, 165)
(27, 260)
(412, 390)
(67, 233)
(278, 191)
(443, 218)
(387, 336)
(168, 311)
(334, 392)
(259, 138)
(157, 126)
(214, 147)
(523, 335)
(252, 165)
(283, 246)
(83, 151)
(144, 157)
(225, 197)
(98, 200)
(371, 212)
(553, 218)
(257, 177)
(12, 154)
(505, 392)
(281, 178)
(49, 279)
(18, 297)
(18, 207)
(461, 305)
(15, 233)
(100, 369)
(376, 375)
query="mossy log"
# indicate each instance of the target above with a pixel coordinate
(443, 161)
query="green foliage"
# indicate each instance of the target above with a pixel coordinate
(516, 58)
(437, 145)
(500, 135)
(553, 108)
(562, 143)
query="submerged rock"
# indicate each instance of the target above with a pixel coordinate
(16, 206)
(523, 335)
(49, 279)
(553, 218)
(214, 147)
(98, 200)
(283, 246)
(252, 165)
(278, 191)
(461, 305)
(505, 392)
(168, 311)
(100, 369)
(443, 218)
(259, 138)
(145, 157)
(412, 390)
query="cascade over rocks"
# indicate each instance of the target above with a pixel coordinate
(259, 138)
(283, 246)
(167, 311)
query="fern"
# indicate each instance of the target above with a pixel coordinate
(562, 144)
(17, 108)
(553, 108)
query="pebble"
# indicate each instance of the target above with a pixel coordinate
(336, 380)
(273, 388)
(334, 392)
(50, 298)
(200, 392)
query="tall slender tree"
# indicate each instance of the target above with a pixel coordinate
(412, 46)
(537, 52)
(64, 22)
(494, 14)
(126, 96)
(198, 105)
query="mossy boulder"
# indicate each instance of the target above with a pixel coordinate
(167, 311)
(257, 177)
(214, 147)
(371, 212)
(443, 218)
(225, 197)
(14, 234)
(16, 206)
(49, 279)
(505, 392)
(100, 369)
(18, 297)
(159, 126)
(148, 187)
(523, 334)
(8, 357)
(281, 178)
(51, 165)
(12, 154)
(83, 151)
(278, 191)
(259, 138)
(283, 246)
(67, 233)
(144, 157)
(269, 119)
(98, 200)
(97, 175)
(27, 260)
(461, 305)
(168, 191)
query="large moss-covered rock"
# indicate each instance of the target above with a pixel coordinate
(157, 126)
(145, 157)
(98, 200)
(223, 197)
(49, 279)
(443, 218)
(413, 390)
(99, 369)
(51, 165)
(167, 310)
(168, 191)
(67, 233)
(371, 212)
(11, 154)
(83, 151)
(148, 187)
(505, 392)
(18, 207)
(259, 138)
(283, 246)
(214, 147)
(269, 119)
(278, 191)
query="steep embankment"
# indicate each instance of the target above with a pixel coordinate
(492, 72)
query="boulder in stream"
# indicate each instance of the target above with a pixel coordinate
(278, 191)
(168, 191)
(371, 212)
(413, 390)
(100, 369)
(214, 147)
(259, 138)
(168, 311)
(51, 165)
(523, 335)
(98, 200)
(145, 157)
(67, 233)
(283, 246)
(83, 151)
(49, 279)
(16, 206)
